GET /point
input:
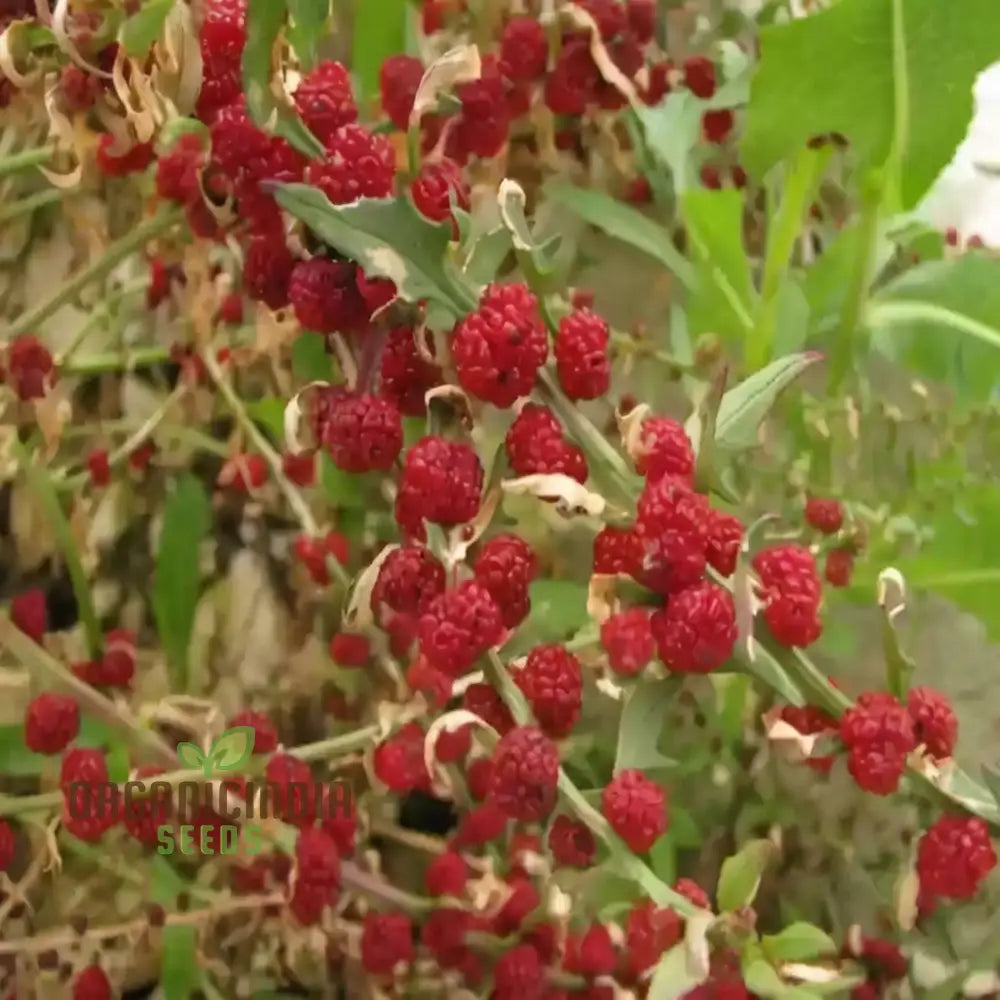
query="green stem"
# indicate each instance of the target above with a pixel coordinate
(116, 361)
(25, 206)
(48, 497)
(24, 160)
(842, 356)
(29, 321)
(97, 317)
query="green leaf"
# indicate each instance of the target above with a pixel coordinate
(177, 127)
(269, 412)
(991, 778)
(534, 258)
(641, 724)
(119, 760)
(179, 963)
(232, 748)
(379, 31)
(673, 977)
(673, 130)
(191, 756)
(762, 979)
(141, 29)
(310, 360)
(388, 238)
(17, 761)
(558, 611)
(341, 488)
(799, 942)
(306, 28)
(745, 405)
(623, 223)
(487, 256)
(741, 874)
(725, 301)
(909, 81)
(265, 19)
(940, 319)
(187, 517)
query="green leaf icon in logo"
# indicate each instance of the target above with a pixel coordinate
(232, 749)
(191, 756)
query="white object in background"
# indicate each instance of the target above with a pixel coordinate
(966, 197)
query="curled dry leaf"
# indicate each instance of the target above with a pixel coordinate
(602, 601)
(462, 538)
(447, 723)
(630, 429)
(809, 973)
(69, 137)
(696, 944)
(8, 61)
(570, 497)
(358, 614)
(792, 744)
(451, 396)
(581, 19)
(299, 439)
(143, 108)
(458, 65)
(60, 16)
(510, 196)
(891, 590)
(178, 67)
(907, 893)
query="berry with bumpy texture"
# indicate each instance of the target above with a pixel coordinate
(699, 76)
(641, 16)
(825, 515)
(28, 368)
(573, 82)
(267, 271)
(499, 348)
(290, 789)
(91, 983)
(839, 567)
(481, 699)
(446, 875)
(934, 721)
(239, 148)
(325, 100)
(51, 723)
(357, 164)
(617, 550)
(458, 627)
(572, 844)
(481, 825)
(405, 375)
(878, 733)
(954, 856)
(177, 171)
(438, 187)
(671, 527)
(636, 809)
(363, 433)
(505, 566)
(221, 39)
(524, 775)
(399, 760)
(441, 482)
(522, 902)
(7, 845)
(524, 50)
(696, 631)
(552, 682)
(479, 772)
(265, 736)
(482, 125)
(133, 160)
(581, 351)
(434, 685)
(664, 449)
(791, 591)
(317, 875)
(408, 581)
(29, 614)
(325, 297)
(519, 975)
(725, 536)
(399, 78)
(592, 954)
(627, 638)
(649, 932)
(386, 942)
(690, 890)
(716, 125)
(90, 803)
(535, 444)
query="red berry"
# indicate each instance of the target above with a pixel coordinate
(522, 902)
(350, 650)
(878, 733)
(299, 469)
(99, 467)
(267, 271)
(824, 515)
(883, 959)
(482, 700)
(29, 613)
(499, 348)
(265, 736)
(535, 445)
(291, 789)
(339, 818)
(518, 974)
(671, 527)
(592, 954)
(313, 553)
(408, 581)
(664, 450)
(934, 721)
(725, 536)
(792, 593)
(479, 772)
(636, 808)
(91, 983)
(809, 721)
(177, 171)
(483, 123)
(51, 723)
(358, 164)
(223, 35)
(405, 375)
(446, 875)
(696, 631)
(443, 934)
(581, 350)
(8, 845)
(362, 433)
(231, 309)
(130, 161)
(627, 638)
(649, 932)
(28, 368)
(839, 567)
(571, 843)
(244, 473)
(317, 877)
(641, 15)
(441, 482)
(481, 825)
(399, 760)
(325, 297)
(716, 125)
(699, 76)
(692, 891)
(325, 100)
(525, 774)
(524, 50)
(617, 550)
(573, 82)
(505, 566)
(438, 185)
(458, 627)
(954, 857)
(399, 78)
(386, 942)
(553, 685)
(89, 802)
